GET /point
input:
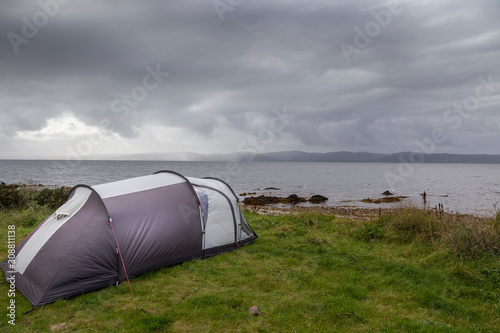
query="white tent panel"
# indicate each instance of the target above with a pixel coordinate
(220, 186)
(137, 184)
(220, 225)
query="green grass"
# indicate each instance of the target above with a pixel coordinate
(306, 273)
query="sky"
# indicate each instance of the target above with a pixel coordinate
(99, 78)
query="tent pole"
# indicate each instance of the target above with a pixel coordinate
(33, 309)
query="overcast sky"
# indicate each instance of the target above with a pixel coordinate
(221, 76)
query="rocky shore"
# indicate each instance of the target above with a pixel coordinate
(291, 199)
(345, 212)
(293, 204)
(275, 205)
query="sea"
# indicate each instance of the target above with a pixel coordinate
(460, 188)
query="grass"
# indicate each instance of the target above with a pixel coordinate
(306, 273)
(466, 235)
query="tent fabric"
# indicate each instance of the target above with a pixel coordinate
(159, 220)
(219, 189)
(51, 225)
(79, 257)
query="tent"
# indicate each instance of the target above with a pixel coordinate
(109, 233)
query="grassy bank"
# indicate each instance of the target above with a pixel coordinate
(410, 270)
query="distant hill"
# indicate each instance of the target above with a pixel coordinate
(301, 156)
(344, 156)
(441, 158)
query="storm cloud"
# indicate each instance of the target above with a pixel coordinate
(205, 76)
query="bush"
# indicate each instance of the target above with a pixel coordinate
(27, 217)
(467, 235)
(473, 236)
(53, 198)
(10, 197)
(410, 223)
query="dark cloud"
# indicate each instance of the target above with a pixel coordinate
(231, 74)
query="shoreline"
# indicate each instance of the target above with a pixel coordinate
(343, 211)
(353, 213)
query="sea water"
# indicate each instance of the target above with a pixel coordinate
(464, 188)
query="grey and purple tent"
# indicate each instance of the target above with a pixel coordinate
(108, 233)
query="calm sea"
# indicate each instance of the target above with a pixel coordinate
(465, 188)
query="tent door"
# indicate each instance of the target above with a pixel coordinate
(203, 219)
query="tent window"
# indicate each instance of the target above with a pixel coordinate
(204, 205)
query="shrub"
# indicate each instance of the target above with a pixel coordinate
(473, 236)
(53, 198)
(10, 197)
(410, 223)
(467, 235)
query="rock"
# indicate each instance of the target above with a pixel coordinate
(271, 188)
(261, 200)
(294, 199)
(383, 200)
(245, 194)
(387, 193)
(254, 311)
(316, 199)
(291, 199)
(57, 327)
